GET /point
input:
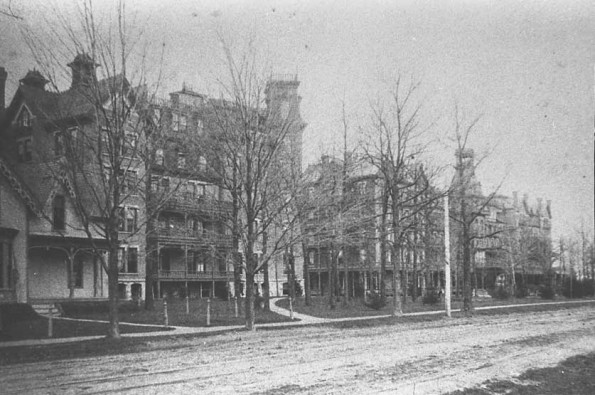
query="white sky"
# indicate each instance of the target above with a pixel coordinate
(526, 66)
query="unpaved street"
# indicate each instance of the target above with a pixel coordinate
(415, 358)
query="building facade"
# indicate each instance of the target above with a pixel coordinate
(41, 131)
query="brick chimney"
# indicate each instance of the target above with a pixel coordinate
(3, 77)
(539, 206)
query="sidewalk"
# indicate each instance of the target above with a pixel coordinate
(299, 320)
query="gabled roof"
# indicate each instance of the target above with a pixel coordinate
(19, 187)
(70, 104)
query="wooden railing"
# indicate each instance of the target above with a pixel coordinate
(180, 234)
(183, 202)
(184, 275)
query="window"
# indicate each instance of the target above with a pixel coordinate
(200, 125)
(25, 150)
(5, 264)
(202, 163)
(24, 118)
(181, 160)
(128, 259)
(129, 144)
(128, 182)
(159, 157)
(128, 219)
(58, 143)
(78, 272)
(157, 114)
(183, 122)
(199, 190)
(175, 122)
(196, 262)
(154, 183)
(59, 212)
(165, 184)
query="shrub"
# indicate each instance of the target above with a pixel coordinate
(501, 293)
(547, 292)
(580, 288)
(376, 301)
(431, 297)
(521, 291)
(258, 302)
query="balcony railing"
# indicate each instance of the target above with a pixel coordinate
(192, 237)
(184, 202)
(184, 275)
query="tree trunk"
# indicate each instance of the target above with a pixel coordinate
(333, 280)
(346, 277)
(467, 288)
(249, 305)
(114, 328)
(307, 293)
(265, 268)
(397, 297)
(383, 242)
(151, 267)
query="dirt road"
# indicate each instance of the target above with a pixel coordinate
(430, 357)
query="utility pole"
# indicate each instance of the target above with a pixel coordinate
(446, 257)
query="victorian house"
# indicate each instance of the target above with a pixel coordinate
(41, 131)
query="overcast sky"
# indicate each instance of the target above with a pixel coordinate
(527, 67)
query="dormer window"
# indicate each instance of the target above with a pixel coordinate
(175, 122)
(58, 143)
(183, 122)
(24, 119)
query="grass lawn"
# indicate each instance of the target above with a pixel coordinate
(356, 308)
(20, 322)
(222, 313)
(572, 376)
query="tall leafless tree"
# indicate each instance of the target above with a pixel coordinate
(102, 129)
(250, 140)
(394, 144)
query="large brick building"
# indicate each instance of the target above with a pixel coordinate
(174, 216)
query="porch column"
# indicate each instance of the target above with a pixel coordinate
(186, 261)
(70, 264)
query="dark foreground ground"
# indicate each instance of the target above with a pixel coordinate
(575, 375)
(389, 356)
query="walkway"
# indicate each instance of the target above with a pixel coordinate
(299, 320)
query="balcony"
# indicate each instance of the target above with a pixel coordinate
(184, 275)
(187, 236)
(186, 202)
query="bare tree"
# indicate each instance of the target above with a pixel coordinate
(251, 134)
(102, 135)
(7, 9)
(468, 204)
(394, 143)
